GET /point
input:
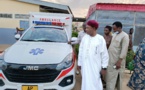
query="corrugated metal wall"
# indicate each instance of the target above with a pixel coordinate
(129, 20)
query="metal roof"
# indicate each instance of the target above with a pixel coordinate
(121, 7)
(116, 7)
(48, 4)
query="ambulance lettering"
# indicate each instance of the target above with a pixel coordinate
(49, 20)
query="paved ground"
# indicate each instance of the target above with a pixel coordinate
(126, 79)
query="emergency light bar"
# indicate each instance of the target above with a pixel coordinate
(49, 23)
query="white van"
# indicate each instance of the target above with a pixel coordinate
(41, 59)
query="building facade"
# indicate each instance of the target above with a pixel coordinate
(15, 13)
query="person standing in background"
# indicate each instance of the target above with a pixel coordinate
(80, 35)
(79, 39)
(108, 38)
(130, 39)
(107, 35)
(117, 55)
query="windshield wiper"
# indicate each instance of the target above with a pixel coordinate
(38, 40)
(28, 40)
(46, 40)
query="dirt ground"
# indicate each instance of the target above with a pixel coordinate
(3, 47)
(125, 81)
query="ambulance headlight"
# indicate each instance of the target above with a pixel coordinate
(3, 64)
(66, 63)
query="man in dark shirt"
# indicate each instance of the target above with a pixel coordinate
(130, 39)
(107, 35)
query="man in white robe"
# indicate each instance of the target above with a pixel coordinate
(93, 58)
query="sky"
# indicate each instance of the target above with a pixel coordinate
(80, 7)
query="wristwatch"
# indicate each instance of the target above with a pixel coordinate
(104, 68)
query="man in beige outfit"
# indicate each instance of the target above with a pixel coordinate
(117, 55)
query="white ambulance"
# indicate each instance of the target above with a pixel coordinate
(41, 59)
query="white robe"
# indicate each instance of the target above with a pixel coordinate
(93, 56)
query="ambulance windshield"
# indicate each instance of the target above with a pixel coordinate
(45, 34)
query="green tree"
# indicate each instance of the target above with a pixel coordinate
(76, 47)
(129, 60)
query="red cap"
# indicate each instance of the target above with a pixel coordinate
(93, 23)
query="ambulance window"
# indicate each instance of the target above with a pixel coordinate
(45, 34)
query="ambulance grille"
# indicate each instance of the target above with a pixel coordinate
(15, 73)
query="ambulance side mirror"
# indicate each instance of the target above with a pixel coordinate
(74, 39)
(17, 36)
